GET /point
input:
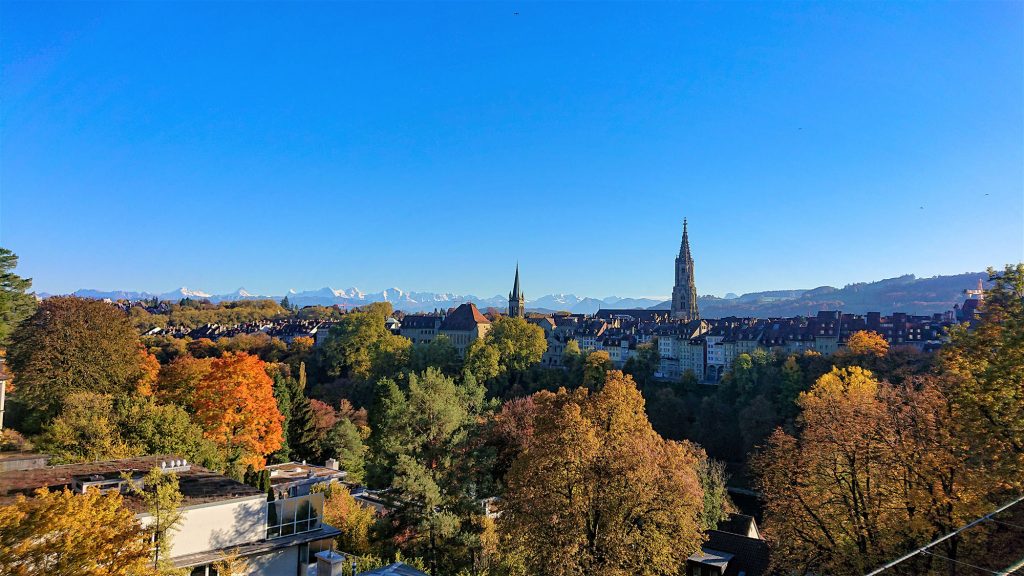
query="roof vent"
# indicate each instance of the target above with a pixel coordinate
(175, 466)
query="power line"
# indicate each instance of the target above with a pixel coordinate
(960, 562)
(924, 549)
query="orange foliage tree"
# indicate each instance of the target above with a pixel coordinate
(89, 534)
(866, 342)
(179, 380)
(235, 405)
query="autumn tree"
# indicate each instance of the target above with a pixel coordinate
(874, 469)
(73, 344)
(101, 427)
(598, 491)
(160, 494)
(16, 303)
(235, 405)
(595, 368)
(68, 534)
(985, 379)
(84, 431)
(355, 521)
(866, 342)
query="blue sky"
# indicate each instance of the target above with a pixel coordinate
(430, 146)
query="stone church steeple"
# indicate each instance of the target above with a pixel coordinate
(516, 300)
(684, 294)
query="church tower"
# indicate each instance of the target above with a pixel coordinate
(684, 294)
(516, 300)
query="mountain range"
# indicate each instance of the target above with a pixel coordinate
(902, 294)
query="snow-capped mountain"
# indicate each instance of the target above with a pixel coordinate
(409, 301)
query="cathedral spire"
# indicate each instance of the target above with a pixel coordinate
(516, 301)
(684, 293)
(684, 246)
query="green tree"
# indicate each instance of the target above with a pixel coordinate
(84, 431)
(520, 344)
(643, 366)
(72, 344)
(360, 345)
(16, 303)
(595, 369)
(162, 498)
(483, 361)
(345, 443)
(439, 353)
(420, 438)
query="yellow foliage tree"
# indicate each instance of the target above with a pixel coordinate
(866, 342)
(598, 491)
(353, 519)
(68, 534)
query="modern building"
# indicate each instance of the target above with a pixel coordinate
(219, 515)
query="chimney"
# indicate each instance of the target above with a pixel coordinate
(331, 463)
(329, 563)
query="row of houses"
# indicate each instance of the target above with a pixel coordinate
(707, 347)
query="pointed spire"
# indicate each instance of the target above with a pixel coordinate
(684, 246)
(515, 287)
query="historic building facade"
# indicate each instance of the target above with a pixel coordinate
(684, 294)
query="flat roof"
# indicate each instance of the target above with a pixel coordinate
(198, 485)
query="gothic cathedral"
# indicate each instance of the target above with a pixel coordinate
(516, 300)
(684, 294)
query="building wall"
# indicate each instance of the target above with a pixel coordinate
(219, 525)
(278, 563)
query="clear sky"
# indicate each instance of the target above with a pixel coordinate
(149, 145)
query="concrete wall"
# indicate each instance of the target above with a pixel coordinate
(218, 525)
(278, 563)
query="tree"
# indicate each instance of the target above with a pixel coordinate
(100, 427)
(519, 344)
(72, 344)
(16, 303)
(67, 534)
(712, 482)
(354, 520)
(572, 356)
(867, 476)
(866, 342)
(985, 380)
(598, 491)
(595, 369)
(148, 427)
(645, 364)
(160, 494)
(361, 346)
(420, 440)
(345, 442)
(235, 406)
(483, 360)
(84, 431)
(438, 353)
